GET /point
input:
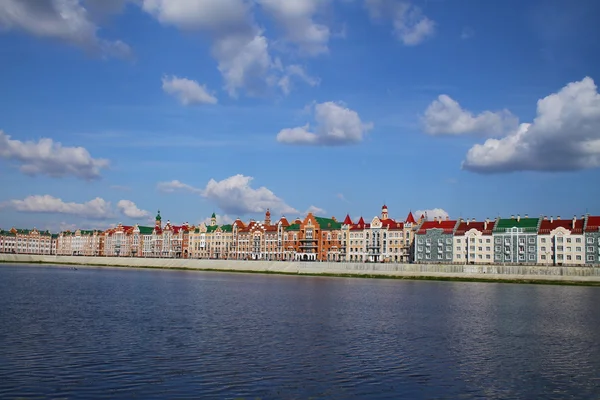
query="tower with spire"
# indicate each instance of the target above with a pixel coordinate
(268, 217)
(384, 213)
(213, 219)
(158, 221)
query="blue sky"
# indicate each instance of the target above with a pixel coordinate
(193, 106)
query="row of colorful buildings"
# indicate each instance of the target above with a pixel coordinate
(515, 240)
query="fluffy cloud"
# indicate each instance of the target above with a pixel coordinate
(335, 125)
(129, 209)
(432, 213)
(234, 195)
(315, 210)
(66, 20)
(221, 220)
(175, 185)
(446, 117)
(564, 136)
(47, 157)
(187, 91)
(237, 44)
(97, 208)
(291, 71)
(411, 27)
(297, 19)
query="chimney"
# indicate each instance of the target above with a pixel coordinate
(574, 221)
(551, 219)
(526, 216)
(468, 221)
(518, 217)
(440, 220)
(512, 217)
(545, 218)
(435, 219)
(333, 218)
(558, 217)
(485, 224)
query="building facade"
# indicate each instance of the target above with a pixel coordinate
(515, 240)
(80, 243)
(27, 241)
(561, 242)
(434, 241)
(592, 240)
(473, 242)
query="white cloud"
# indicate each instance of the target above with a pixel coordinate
(175, 185)
(432, 213)
(97, 208)
(129, 209)
(297, 19)
(315, 210)
(47, 157)
(411, 27)
(342, 197)
(285, 82)
(564, 136)
(234, 195)
(187, 91)
(221, 220)
(335, 125)
(237, 44)
(445, 116)
(66, 20)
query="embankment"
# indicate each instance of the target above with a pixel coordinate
(504, 273)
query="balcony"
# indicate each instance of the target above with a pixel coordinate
(308, 246)
(308, 240)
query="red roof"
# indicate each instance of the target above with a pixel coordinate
(410, 219)
(547, 225)
(347, 220)
(593, 224)
(447, 226)
(284, 222)
(360, 225)
(391, 224)
(463, 227)
(422, 216)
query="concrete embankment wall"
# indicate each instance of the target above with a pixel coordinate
(491, 272)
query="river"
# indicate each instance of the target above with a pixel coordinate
(94, 333)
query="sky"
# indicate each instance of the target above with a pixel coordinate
(114, 109)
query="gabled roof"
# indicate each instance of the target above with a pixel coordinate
(593, 224)
(527, 224)
(360, 225)
(347, 220)
(447, 226)
(410, 219)
(465, 226)
(546, 226)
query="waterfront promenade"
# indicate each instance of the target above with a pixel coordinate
(516, 273)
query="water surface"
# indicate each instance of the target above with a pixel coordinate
(97, 333)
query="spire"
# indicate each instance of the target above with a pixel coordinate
(410, 219)
(158, 218)
(347, 220)
(268, 217)
(213, 219)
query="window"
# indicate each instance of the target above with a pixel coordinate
(521, 240)
(559, 248)
(531, 240)
(428, 256)
(543, 248)
(498, 240)
(448, 256)
(531, 257)
(449, 241)
(498, 248)
(420, 256)
(458, 256)
(578, 258)
(559, 239)
(420, 241)
(578, 248)
(480, 240)
(531, 249)
(590, 249)
(488, 240)
(472, 248)
(577, 240)
(448, 248)
(543, 256)
(568, 240)
(521, 258)
(457, 248)
(507, 257)
(569, 258)
(559, 256)
(543, 240)
(428, 241)
(590, 257)
(487, 248)
(420, 248)
(487, 257)
(457, 240)
(590, 240)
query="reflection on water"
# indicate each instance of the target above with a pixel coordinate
(113, 333)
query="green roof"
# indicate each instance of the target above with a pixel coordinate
(145, 230)
(328, 223)
(211, 228)
(293, 227)
(213, 215)
(158, 218)
(227, 228)
(528, 224)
